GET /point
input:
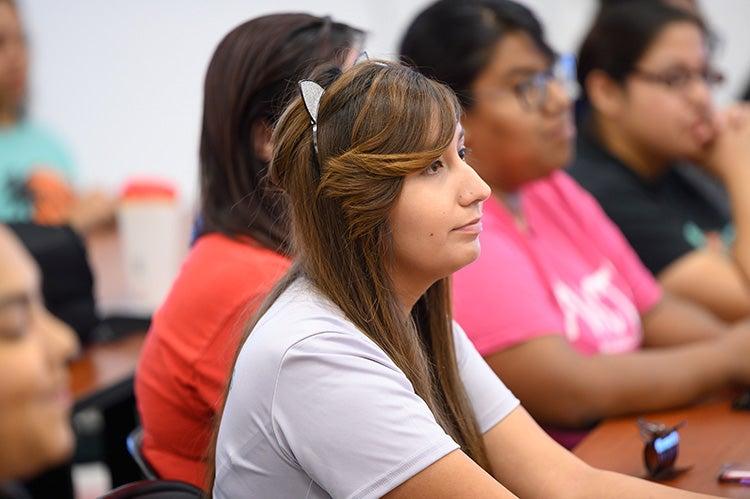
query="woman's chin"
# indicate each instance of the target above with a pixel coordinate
(469, 255)
(62, 445)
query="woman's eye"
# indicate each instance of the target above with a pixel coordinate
(15, 319)
(678, 79)
(434, 168)
(462, 152)
(12, 334)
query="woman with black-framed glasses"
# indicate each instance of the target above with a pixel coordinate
(557, 303)
(647, 120)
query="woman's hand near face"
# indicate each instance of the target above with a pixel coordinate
(728, 155)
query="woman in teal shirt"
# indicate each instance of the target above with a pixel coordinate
(36, 171)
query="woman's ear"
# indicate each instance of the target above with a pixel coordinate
(261, 135)
(606, 96)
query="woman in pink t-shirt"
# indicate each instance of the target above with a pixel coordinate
(558, 303)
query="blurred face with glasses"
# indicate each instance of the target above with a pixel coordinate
(519, 125)
(664, 109)
(35, 347)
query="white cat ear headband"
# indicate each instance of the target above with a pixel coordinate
(311, 94)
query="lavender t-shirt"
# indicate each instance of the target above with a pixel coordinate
(572, 273)
(316, 409)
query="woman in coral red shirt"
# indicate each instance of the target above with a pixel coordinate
(240, 253)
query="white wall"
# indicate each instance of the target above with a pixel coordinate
(120, 81)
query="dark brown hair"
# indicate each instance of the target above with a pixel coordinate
(453, 41)
(378, 122)
(622, 33)
(251, 76)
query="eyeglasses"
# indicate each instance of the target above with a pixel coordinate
(680, 79)
(533, 92)
(661, 447)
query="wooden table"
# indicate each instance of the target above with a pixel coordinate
(714, 435)
(104, 372)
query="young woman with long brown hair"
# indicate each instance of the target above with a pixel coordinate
(354, 381)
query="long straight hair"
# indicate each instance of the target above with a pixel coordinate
(378, 122)
(250, 79)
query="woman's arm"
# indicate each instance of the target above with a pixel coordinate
(527, 461)
(711, 278)
(676, 321)
(530, 464)
(455, 475)
(561, 387)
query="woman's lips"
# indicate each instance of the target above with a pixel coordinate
(565, 131)
(473, 227)
(61, 395)
(703, 131)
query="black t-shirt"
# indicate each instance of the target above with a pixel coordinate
(662, 219)
(12, 490)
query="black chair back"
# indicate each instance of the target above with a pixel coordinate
(135, 445)
(155, 489)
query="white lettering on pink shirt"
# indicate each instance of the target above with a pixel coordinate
(599, 308)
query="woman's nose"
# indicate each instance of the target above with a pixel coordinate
(558, 98)
(474, 189)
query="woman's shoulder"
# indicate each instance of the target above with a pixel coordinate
(601, 173)
(563, 193)
(219, 279)
(242, 249)
(303, 321)
(31, 130)
(218, 261)
(28, 139)
(38, 135)
(302, 312)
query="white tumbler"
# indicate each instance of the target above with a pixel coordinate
(152, 243)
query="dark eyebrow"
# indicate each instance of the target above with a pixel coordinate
(679, 66)
(15, 299)
(522, 71)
